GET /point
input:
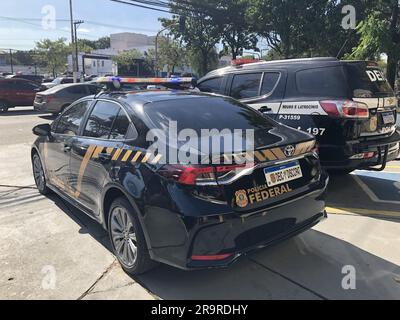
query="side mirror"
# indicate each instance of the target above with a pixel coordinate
(42, 130)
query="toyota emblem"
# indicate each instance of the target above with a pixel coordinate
(289, 151)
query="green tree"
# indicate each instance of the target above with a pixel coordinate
(380, 33)
(304, 28)
(196, 61)
(170, 53)
(127, 60)
(52, 55)
(101, 43)
(201, 33)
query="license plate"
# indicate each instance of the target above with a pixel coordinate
(388, 117)
(283, 173)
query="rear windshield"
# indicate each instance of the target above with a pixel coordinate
(326, 82)
(206, 113)
(213, 114)
(367, 82)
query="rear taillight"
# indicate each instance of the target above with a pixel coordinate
(346, 109)
(48, 98)
(198, 174)
(213, 257)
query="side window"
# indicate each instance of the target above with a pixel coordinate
(212, 85)
(246, 85)
(101, 120)
(93, 89)
(322, 82)
(71, 119)
(67, 80)
(81, 90)
(269, 82)
(120, 126)
(7, 84)
(24, 85)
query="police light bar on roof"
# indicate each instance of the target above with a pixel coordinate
(242, 61)
(149, 81)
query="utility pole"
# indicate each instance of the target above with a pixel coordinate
(11, 62)
(156, 51)
(74, 62)
(76, 25)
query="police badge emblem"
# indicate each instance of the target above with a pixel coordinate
(241, 198)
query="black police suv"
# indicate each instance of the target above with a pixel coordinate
(348, 105)
(96, 156)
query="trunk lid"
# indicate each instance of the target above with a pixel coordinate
(369, 86)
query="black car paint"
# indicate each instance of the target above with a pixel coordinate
(342, 137)
(179, 220)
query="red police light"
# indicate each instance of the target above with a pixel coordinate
(242, 61)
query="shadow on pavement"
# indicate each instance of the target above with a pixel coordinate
(345, 192)
(308, 266)
(16, 112)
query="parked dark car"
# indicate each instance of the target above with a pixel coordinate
(348, 105)
(56, 99)
(17, 92)
(96, 156)
(31, 77)
(57, 81)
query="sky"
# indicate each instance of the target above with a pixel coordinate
(21, 20)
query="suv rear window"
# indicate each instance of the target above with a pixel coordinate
(246, 85)
(322, 82)
(367, 82)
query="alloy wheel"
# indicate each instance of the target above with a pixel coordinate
(38, 173)
(123, 236)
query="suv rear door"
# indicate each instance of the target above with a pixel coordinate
(260, 89)
(25, 92)
(369, 86)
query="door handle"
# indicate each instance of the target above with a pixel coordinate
(67, 148)
(265, 109)
(104, 157)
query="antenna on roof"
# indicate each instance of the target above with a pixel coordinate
(345, 43)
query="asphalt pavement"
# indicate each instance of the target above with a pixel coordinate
(49, 249)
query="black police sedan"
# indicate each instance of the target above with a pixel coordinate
(96, 156)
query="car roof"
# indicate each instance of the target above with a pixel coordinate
(140, 98)
(67, 85)
(293, 64)
(16, 79)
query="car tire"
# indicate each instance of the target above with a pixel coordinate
(38, 175)
(3, 106)
(127, 238)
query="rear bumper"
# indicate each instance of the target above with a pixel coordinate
(229, 236)
(340, 157)
(46, 107)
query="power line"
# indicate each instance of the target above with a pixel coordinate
(91, 22)
(141, 6)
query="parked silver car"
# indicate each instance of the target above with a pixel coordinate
(56, 99)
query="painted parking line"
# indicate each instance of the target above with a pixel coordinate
(363, 212)
(381, 187)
